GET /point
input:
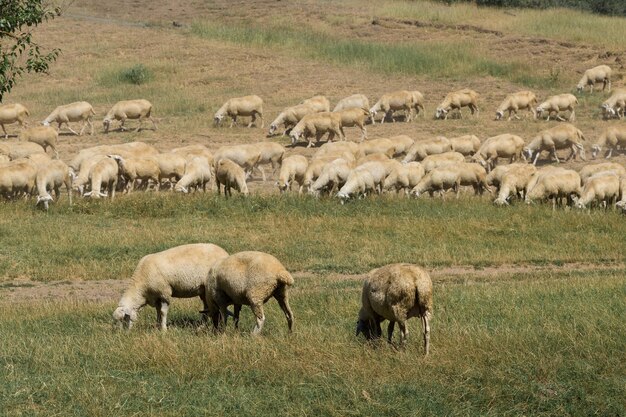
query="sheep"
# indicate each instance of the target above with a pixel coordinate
(179, 272)
(80, 111)
(39, 159)
(332, 176)
(51, 177)
(381, 145)
(401, 144)
(353, 117)
(438, 160)
(270, 153)
(230, 175)
(358, 101)
(247, 278)
(437, 180)
(615, 105)
(192, 151)
(514, 182)
(17, 150)
(17, 177)
(554, 184)
(318, 162)
(129, 109)
(317, 103)
(241, 106)
(622, 190)
(495, 176)
(593, 169)
(395, 101)
(466, 144)
(247, 157)
(45, 136)
(293, 169)
(405, 176)
(517, 101)
(557, 104)
(611, 138)
(601, 73)
(381, 157)
(103, 173)
(564, 136)
(501, 146)
(396, 292)
(172, 165)
(359, 182)
(603, 187)
(418, 102)
(132, 169)
(313, 171)
(333, 148)
(13, 113)
(317, 125)
(82, 178)
(197, 174)
(290, 117)
(421, 149)
(457, 100)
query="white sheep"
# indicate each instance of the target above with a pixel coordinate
(501, 146)
(395, 101)
(334, 148)
(45, 136)
(172, 165)
(418, 102)
(359, 183)
(317, 125)
(564, 136)
(80, 111)
(381, 145)
(622, 191)
(247, 278)
(457, 100)
(289, 118)
(317, 103)
(615, 105)
(103, 174)
(81, 179)
(405, 176)
(332, 177)
(396, 293)
(601, 73)
(401, 144)
(129, 109)
(197, 174)
(555, 185)
(247, 157)
(51, 177)
(603, 188)
(353, 117)
(270, 153)
(372, 157)
(612, 137)
(592, 169)
(17, 150)
(12, 113)
(437, 180)
(558, 103)
(358, 101)
(179, 272)
(466, 144)
(230, 175)
(17, 178)
(241, 106)
(422, 148)
(521, 100)
(514, 182)
(133, 169)
(378, 170)
(292, 170)
(438, 160)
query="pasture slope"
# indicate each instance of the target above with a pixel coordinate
(529, 303)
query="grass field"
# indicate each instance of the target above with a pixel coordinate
(529, 303)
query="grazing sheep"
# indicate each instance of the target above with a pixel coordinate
(359, 183)
(378, 171)
(270, 153)
(129, 109)
(179, 272)
(80, 111)
(192, 151)
(334, 148)
(494, 178)
(601, 73)
(132, 169)
(290, 117)
(592, 169)
(332, 176)
(517, 101)
(603, 188)
(172, 166)
(45, 136)
(353, 117)
(501, 146)
(622, 191)
(39, 159)
(241, 106)
(317, 103)
(247, 278)
(230, 175)
(358, 101)
(396, 293)
(438, 160)
(103, 173)
(405, 176)
(197, 174)
(313, 172)
(514, 182)
(18, 150)
(382, 145)
(554, 184)
(247, 157)
(401, 144)
(395, 101)
(564, 136)
(81, 180)
(457, 100)
(615, 105)
(292, 170)
(17, 178)
(611, 138)
(418, 102)
(12, 113)
(557, 104)
(317, 125)
(51, 177)
(381, 157)
(466, 144)
(438, 179)
(421, 149)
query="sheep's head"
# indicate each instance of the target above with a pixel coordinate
(528, 152)
(217, 119)
(294, 135)
(272, 130)
(282, 185)
(578, 203)
(580, 88)
(125, 317)
(44, 199)
(440, 113)
(501, 201)
(45, 123)
(595, 150)
(106, 123)
(181, 189)
(621, 205)
(539, 110)
(366, 327)
(415, 193)
(499, 115)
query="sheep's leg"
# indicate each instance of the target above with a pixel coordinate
(260, 168)
(390, 328)
(237, 310)
(6, 135)
(257, 309)
(72, 130)
(363, 133)
(161, 310)
(556, 158)
(90, 125)
(536, 157)
(572, 116)
(283, 302)
(609, 153)
(122, 121)
(426, 330)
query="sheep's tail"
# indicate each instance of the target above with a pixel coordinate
(92, 111)
(580, 135)
(285, 277)
(27, 112)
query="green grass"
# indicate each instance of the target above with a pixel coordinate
(99, 240)
(540, 344)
